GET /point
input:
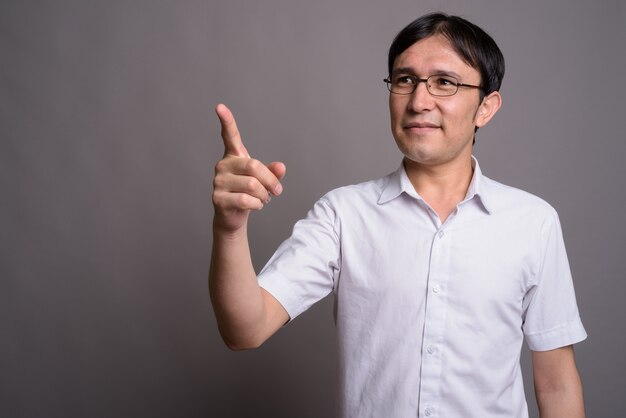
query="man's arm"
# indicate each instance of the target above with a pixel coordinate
(557, 384)
(246, 314)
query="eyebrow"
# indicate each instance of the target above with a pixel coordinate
(409, 70)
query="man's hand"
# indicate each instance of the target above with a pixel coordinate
(241, 183)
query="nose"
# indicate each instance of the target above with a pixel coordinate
(421, 100)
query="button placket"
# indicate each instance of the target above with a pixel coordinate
(434, 327)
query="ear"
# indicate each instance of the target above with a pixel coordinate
(488, 108)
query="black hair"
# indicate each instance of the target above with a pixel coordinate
(472, 44)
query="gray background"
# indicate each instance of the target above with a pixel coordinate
(108, 141)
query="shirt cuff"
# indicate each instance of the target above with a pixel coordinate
(561, 336)
(285, 296)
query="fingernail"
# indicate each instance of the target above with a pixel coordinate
(278, 189)
(269, 198)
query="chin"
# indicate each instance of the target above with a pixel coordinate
(417, 152)
(422, 160)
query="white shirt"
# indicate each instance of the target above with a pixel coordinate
(430, 317)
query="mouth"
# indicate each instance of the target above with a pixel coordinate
(420, 127)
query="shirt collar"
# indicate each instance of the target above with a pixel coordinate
(399, 183)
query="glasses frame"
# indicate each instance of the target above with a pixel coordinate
(425, 81)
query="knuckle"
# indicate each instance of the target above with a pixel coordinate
(251, 185)
(252, 165)
(243, 200)
(217, 199)
(220, 166)
(246, 202)
(218, 182)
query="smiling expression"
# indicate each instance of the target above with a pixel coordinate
(436, 130)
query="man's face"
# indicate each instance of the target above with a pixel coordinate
(433, 130)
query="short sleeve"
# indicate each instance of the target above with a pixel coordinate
(303, 269)
(551, 318)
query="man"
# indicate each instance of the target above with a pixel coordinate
(438, 272)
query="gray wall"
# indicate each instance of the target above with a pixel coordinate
(107, 145)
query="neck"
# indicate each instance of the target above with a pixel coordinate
(443, 187)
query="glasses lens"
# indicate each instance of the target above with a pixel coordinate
(442, 85)
(402, 84)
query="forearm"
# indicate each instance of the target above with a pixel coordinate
(562, 402)
(235, 293)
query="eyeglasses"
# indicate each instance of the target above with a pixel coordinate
(437, 85)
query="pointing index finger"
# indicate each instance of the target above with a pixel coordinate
(230, 134)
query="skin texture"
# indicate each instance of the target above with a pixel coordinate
(433, 130)
(557, 384)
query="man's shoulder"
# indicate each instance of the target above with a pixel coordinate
(364, 192)
(504, 197)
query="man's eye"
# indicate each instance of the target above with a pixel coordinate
(404, 80)
(444, 81)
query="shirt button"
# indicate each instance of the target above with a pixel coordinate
(436, 288)
(440, 233)
(428, 411)
(430, 349)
